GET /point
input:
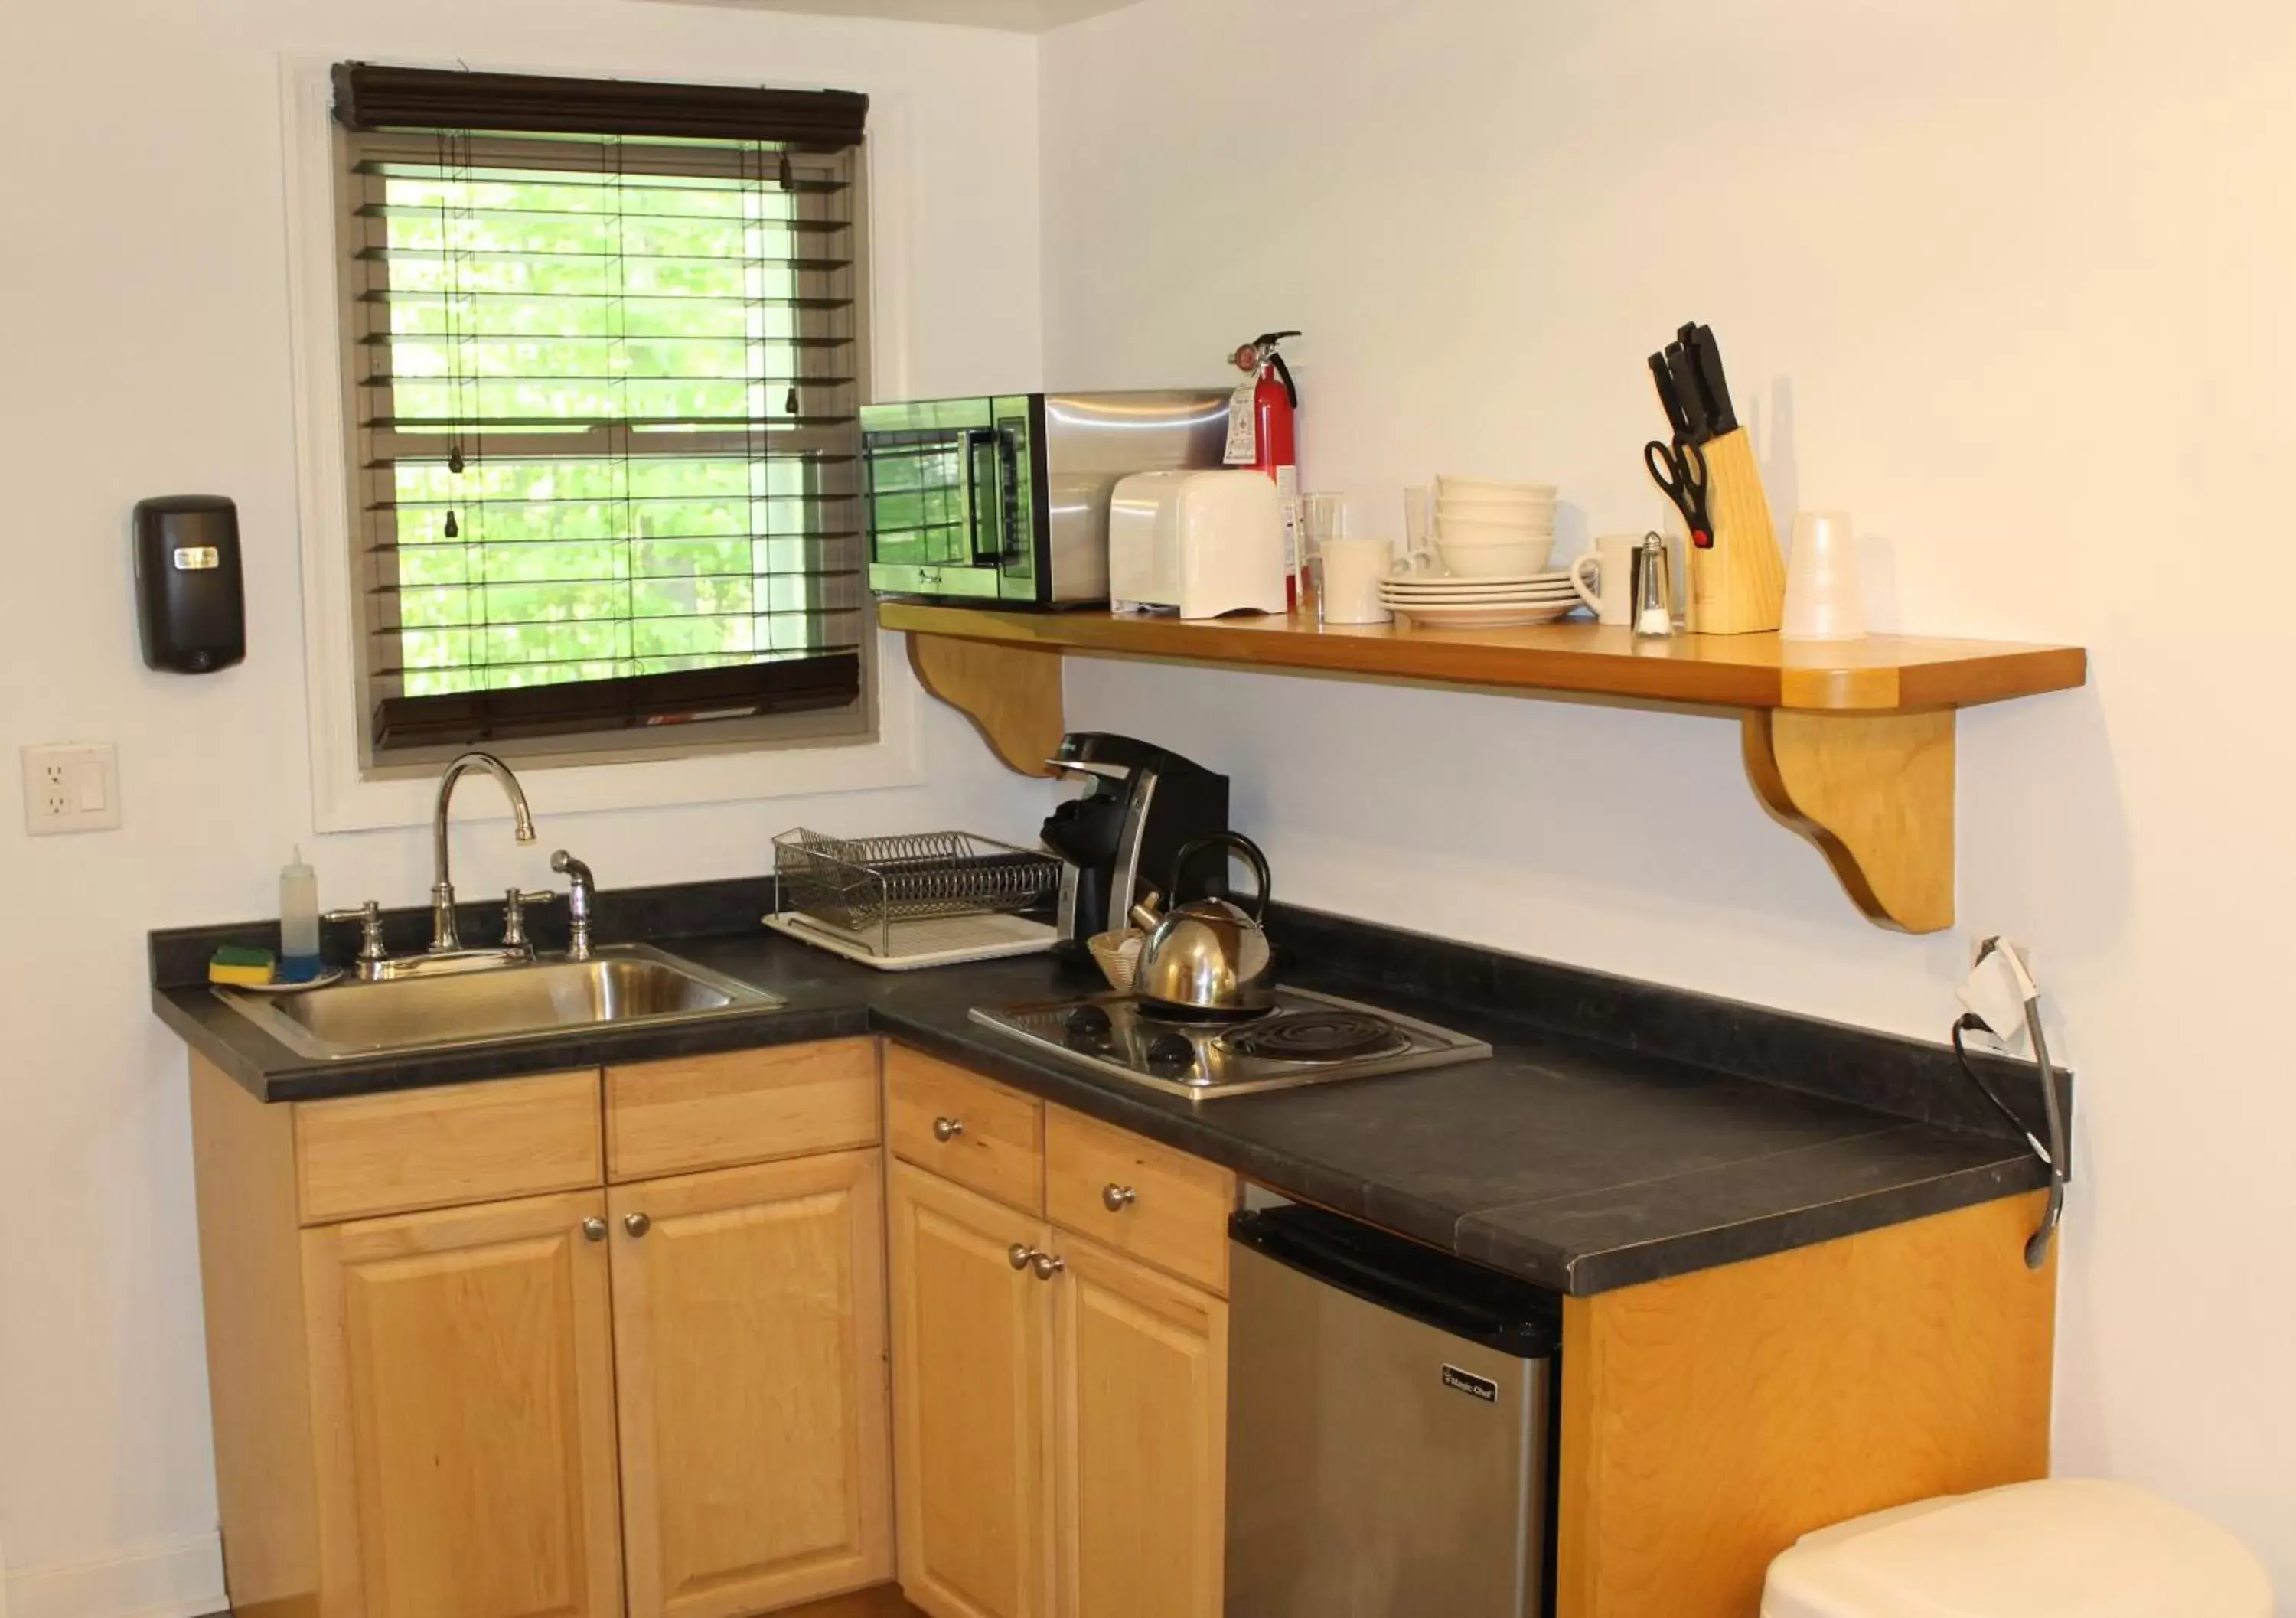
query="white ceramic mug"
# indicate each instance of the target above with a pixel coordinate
(1611, 598)
(1348, 571)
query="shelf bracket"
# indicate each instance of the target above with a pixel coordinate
(1874, 793)
(1011, 694)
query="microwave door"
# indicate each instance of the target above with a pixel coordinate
(923, 539)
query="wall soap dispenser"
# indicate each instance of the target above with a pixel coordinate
(190, 600)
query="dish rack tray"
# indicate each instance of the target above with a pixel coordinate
(864, 886)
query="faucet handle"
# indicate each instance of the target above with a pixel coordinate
(369, 917)
(514, 904)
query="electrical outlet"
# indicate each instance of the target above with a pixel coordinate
(71, 787)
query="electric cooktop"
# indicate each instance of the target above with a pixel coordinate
(1307, 1038)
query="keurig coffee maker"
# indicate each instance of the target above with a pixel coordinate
(1144, 805)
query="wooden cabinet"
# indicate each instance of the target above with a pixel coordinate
(972, 1347)
(739, 1106)
(750, 1347)
(465, 1143)
(1146, 1201)
(965, 1128)
(567, 1347)
(486, 1409)
(463, 1392)
(1059, 1408)
(1140, 1424)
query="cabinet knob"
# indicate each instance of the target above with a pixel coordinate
(593, 1228)
(1021, 1254)
(945, 1129)
(1116, 1198)
(636, 1224)
(1048, 1265)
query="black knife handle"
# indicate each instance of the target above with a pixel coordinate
(1684, 368)
(1713, 386)
(1669, 398)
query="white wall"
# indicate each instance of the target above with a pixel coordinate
(2008, 282)
(144, 273)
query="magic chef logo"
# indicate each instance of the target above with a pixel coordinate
(1468, 1382)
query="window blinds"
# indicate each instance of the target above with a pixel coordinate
(605, 387)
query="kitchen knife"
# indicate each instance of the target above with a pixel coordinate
(1713, 387)
(1682, 366)
(1676, 417)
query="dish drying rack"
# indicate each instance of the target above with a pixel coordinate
(925, 899)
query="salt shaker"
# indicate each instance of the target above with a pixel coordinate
(1653, 594)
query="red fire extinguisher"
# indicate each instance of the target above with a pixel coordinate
(1262, 432)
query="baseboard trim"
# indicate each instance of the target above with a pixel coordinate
(160, 1578)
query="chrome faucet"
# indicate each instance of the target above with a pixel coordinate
(445, 935)
(581, 888)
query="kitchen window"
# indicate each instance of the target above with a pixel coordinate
(603, 357)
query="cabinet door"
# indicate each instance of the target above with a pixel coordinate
(463, 1389)
(972, 1336)
(1140, 1397)
(749, 1345)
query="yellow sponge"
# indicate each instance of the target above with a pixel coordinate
(240, 964)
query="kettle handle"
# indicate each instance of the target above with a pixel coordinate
(1242, 845)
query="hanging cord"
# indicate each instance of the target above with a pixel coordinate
(757, 325)
(449, 283)
(1972, 1023)
(615, 160)
(2054, 1155)
(2037, 1247)
(470, 453)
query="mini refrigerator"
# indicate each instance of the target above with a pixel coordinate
(1391, 1447)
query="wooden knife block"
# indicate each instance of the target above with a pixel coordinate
(1738, 584)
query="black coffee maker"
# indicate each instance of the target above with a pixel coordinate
(1146, 803)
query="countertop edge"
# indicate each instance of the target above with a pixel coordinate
(1614, 1269)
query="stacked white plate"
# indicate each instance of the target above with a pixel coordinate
(1447, 600)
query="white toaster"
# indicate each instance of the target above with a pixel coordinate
(1203, 542)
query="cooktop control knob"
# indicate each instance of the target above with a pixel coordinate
(1088, 1028)
(1168, 1052)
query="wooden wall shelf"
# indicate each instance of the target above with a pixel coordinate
(1851, 745)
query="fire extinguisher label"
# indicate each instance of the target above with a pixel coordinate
(1243, 425)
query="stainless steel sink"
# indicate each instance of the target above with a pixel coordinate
(621, 986)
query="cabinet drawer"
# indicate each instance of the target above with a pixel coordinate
(436, 1148)
(996, 1137)
(1171, 1209)
(740, 1107)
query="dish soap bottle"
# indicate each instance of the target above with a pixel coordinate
(298, 922)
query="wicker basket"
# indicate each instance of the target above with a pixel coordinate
(1118, 955)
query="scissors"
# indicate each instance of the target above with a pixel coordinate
(1679, 470)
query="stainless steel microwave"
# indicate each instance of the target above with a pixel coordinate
(1005, 499)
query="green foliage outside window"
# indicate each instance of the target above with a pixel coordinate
(528, 303)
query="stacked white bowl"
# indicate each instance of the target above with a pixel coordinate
(1487, 529)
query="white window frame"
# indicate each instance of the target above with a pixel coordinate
(343, 797)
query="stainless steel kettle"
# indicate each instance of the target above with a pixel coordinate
(1211, 955)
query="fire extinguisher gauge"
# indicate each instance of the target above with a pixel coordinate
(1263, 351)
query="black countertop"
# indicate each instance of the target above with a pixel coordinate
(1619, 1133)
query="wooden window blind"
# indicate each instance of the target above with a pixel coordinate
(605, 361)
